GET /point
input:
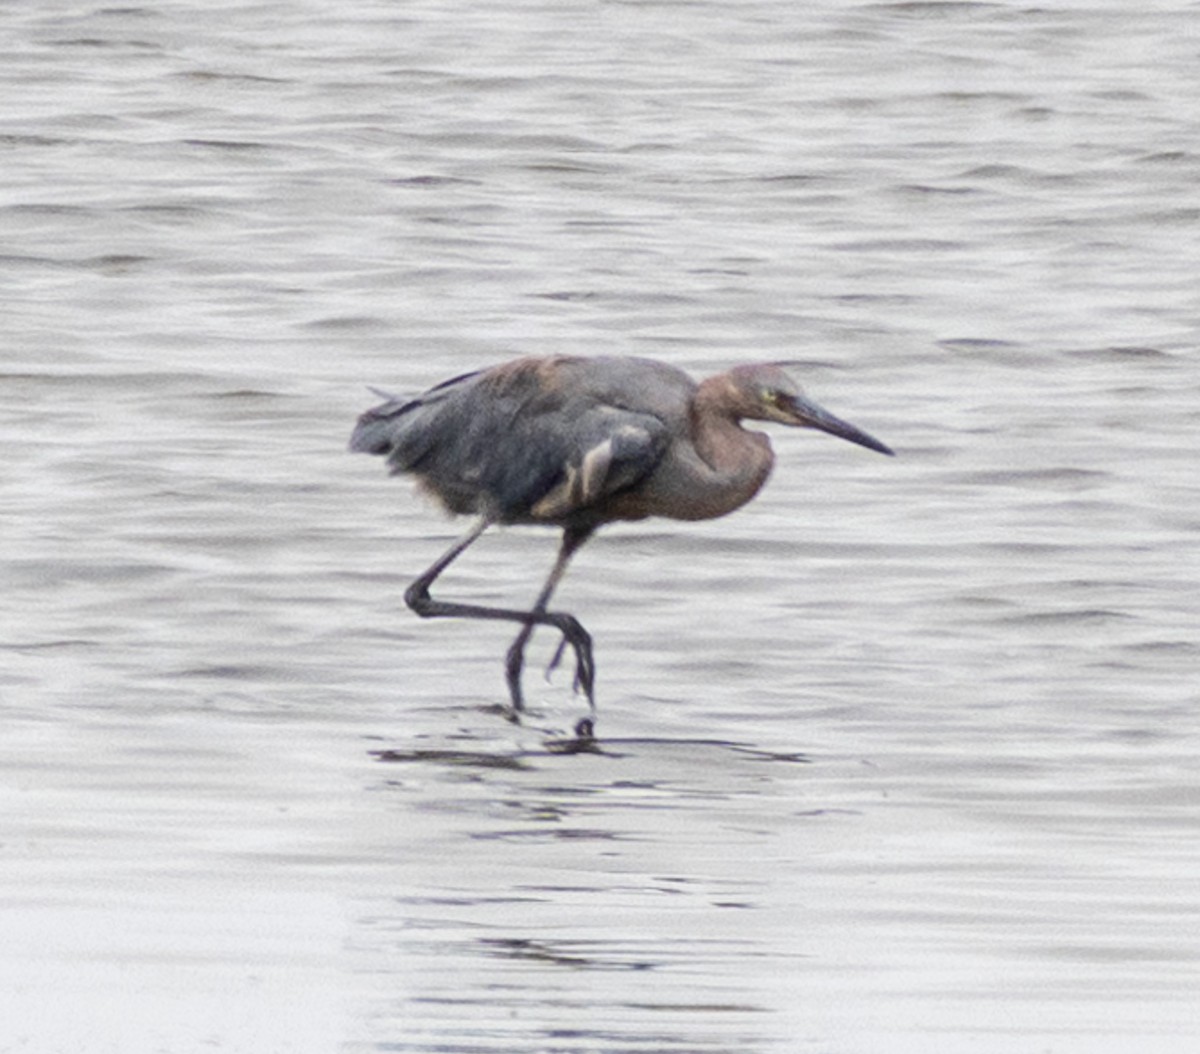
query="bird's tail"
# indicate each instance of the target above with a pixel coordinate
(376, 429)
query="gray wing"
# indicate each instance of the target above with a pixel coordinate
(535, 440)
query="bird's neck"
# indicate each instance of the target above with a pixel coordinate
(739, 460)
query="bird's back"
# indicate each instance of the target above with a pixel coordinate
(535, 439)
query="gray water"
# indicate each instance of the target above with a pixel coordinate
(901, 757)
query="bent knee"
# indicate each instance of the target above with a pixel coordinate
(417, 597)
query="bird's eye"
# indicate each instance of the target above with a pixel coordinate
(770, 396)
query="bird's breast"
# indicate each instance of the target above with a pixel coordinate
(685, 486)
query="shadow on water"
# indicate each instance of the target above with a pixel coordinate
(581, 896)
(613, 748)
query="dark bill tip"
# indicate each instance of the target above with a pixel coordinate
(869, 441)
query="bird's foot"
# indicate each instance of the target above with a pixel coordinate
(514, 662)
(573, 634)
(554, 663)
(580, 640)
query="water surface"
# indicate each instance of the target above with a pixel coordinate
(899, 758)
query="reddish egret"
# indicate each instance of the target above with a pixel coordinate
(574, 443)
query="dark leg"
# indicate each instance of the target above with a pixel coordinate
(585, 670)
(417, 597)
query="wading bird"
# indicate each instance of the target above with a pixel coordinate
(574, 443)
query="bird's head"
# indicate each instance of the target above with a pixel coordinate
(767, 392)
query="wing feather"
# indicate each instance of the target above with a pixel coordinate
(534, 440)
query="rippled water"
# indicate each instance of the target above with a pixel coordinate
(899, 758)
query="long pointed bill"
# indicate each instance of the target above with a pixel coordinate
(807, 414)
